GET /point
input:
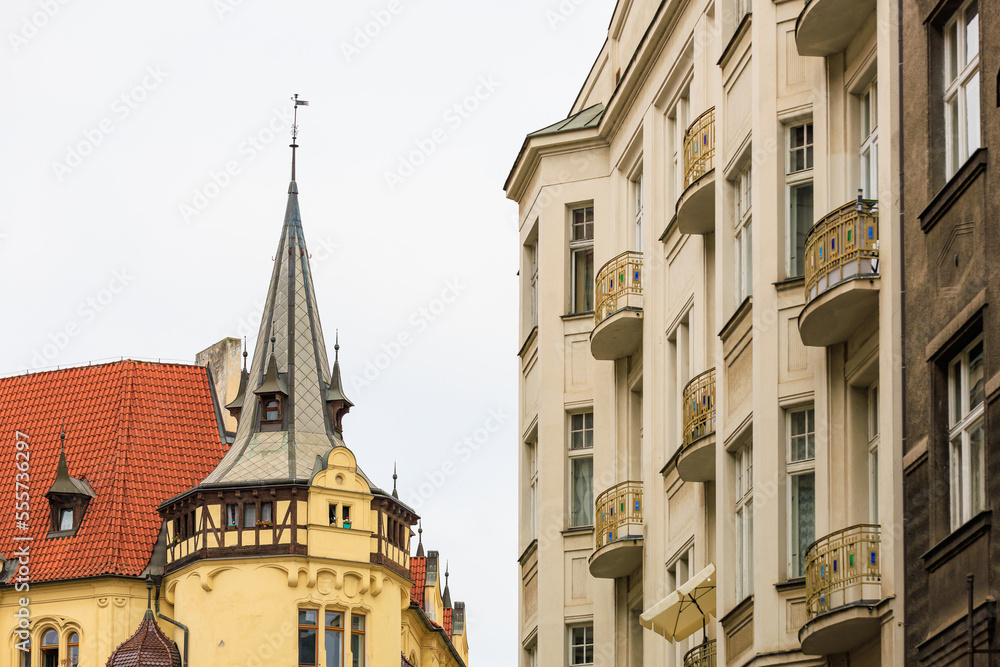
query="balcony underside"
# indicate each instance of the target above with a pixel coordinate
(696, 206)
(834, 315)
(826, 27)
(617, 559)
(618, 336)
(696, 462)
(840, 630)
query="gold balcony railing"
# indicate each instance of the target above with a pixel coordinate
(841, 246)
(842, 568)
(699, 147)
(619, 285)
(699, 406)
(702, 655)
(618, 513)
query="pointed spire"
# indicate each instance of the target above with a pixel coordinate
(420, 539)
(339, 403)
(395, 494)
(236, 406)
(64, 483)
(446, 598)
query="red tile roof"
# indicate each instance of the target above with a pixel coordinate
(418, 573)
(138, 432)
(447, 620)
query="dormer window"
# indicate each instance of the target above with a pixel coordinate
(272, 410)
(68, 500)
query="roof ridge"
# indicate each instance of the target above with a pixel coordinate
(125, 415)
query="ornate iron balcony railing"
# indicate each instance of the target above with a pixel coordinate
(699, 147)
(841, 246)
(842, 568)
(699, 407)
(619, 285)
(702, 655)
(618, 513)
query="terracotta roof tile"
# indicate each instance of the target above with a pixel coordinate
(418, 572)
(138, 432)
(447, 620)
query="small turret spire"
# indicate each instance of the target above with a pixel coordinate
(446, 597)
(420, 539)
(295, 128)
(395, 494)
(245, 354)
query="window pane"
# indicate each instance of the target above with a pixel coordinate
(50, 638)
(953, 142)
(803, 518)
(976, 470)
(971, 32)
(357, 650)
(802, 221)
(956, 476)
(66, 519)
(972, 115)
(334, 645)
(334, 619)
(307, 646)
(583, 289)
(266, 511)
(976, 387)
(74, 656)
(951, 37)
(582, 491)
(249, 515)
(358, 623)
(307, 617)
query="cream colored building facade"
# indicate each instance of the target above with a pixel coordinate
(708, 309)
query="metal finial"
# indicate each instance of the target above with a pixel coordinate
(62, 437)
(395, 494)
(245, 353)
(295, 127)
(336, 346)
(420, 531)
(149, 592)
(447, 567)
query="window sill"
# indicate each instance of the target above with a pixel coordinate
(959, 539)
(742, 29)
(578, 529)
(953, 189)
(578, 316)
(532, 336)
(743, 309)
(56, 534)
(791, 585)
(790, 283)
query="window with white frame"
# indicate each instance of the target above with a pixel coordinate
(531, 454)
(677, 121)
(873, 440)
(868, 112)
(961, 93)
(637, 210)
(966, 393)
(799, 192)
(581, 645)
(743, 493)
(533, 278)
(801, 471)
(581, 469)
(743, 233)
(581, 250)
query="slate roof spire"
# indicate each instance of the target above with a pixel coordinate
(446, 598)
(289, 357)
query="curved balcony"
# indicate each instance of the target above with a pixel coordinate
(618, 316)
(696, 205)
(842, 283)
(696, 462)
(843, 584)
(702, 655)
(826, 27)
(617, 531)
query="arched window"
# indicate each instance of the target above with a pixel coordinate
(73, 647)
(50, 649)
(272, 409)
(25, 656)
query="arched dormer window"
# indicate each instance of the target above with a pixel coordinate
(272, 409)
(272, 393)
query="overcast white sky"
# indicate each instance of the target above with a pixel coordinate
(113, 228)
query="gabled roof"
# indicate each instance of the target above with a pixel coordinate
(589, 117)
(136, 432)
(295, 363)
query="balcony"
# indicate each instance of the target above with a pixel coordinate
(826, 27)
(618, 531)
(696, 205)
(702, 655)
(618, 329)
(696, 461)
(842, 282)
(843, 584)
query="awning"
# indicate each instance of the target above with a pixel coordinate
(679, 615)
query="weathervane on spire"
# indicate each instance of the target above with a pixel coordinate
(295, 127)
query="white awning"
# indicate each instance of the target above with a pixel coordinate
(679, 615)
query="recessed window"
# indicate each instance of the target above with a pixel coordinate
(581, 250)
(637, 200)
(743, 234)
(801, 471)
(581, 645)
(249, 515)
(961, 78)
(50, 649)
(332, 514)
(967, 437)
(581, 469)
(25, 660)
(582, 430)
(73, 648)
(799, 188)
(873, 442)
(358, 641)
(345, 515)
(267, 513)
(333, 640)
(66, 518)
(744, 521)
(308, 637)
(272, 409)
(232, 515)
(868, 112)
(531, 456)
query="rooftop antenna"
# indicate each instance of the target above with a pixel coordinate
(295, 127)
